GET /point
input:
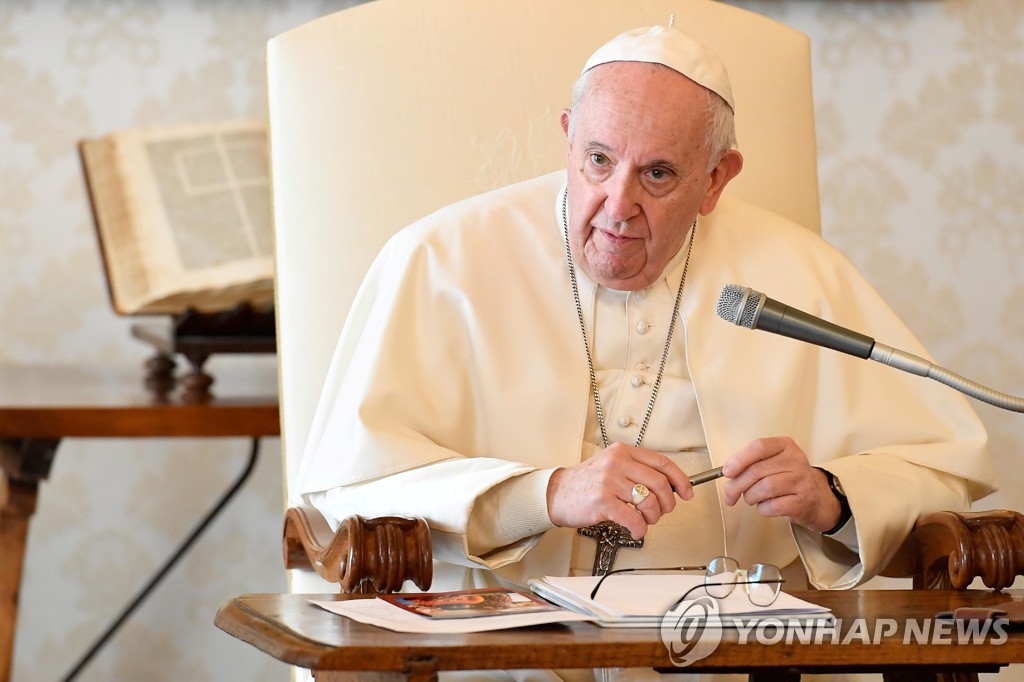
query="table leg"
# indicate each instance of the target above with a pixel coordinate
(19, 503)
(23, 464)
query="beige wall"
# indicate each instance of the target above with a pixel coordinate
(920, 128)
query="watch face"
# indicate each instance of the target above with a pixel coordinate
(838, 486)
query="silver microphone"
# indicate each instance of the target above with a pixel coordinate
(751, 309)
(748, 308)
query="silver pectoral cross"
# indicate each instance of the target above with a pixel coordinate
(609, 536)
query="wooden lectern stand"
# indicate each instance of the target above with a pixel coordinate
(197, 336)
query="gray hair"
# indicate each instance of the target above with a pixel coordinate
(721, 126)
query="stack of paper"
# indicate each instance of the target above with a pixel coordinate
(642, 600)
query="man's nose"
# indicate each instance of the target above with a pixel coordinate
(622, 202)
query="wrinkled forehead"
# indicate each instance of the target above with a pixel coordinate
(647, 112)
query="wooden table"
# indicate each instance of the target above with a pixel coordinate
(41, 405)
(292, 630)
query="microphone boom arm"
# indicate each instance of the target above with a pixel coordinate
(908, 362)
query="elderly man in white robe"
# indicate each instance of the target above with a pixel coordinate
(531, 361)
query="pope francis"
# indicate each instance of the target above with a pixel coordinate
(546, 357)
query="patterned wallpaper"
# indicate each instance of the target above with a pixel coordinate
(920, 130)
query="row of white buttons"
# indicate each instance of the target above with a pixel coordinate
(637, 380)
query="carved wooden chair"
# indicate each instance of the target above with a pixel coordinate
(445, 99)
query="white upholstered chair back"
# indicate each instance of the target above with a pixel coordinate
(382, 113)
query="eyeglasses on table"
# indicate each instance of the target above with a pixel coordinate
(762, 582)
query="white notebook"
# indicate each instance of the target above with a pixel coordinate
(643, 599)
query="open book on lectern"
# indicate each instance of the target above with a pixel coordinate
(643, 599)
(183, 216)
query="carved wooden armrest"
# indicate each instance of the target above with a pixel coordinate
(365, 555)
(951, 549)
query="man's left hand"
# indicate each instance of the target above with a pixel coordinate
(773, 475)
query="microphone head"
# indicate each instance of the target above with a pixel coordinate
(739, 305)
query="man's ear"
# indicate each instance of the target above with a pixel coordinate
(729, 166)
(564, 120)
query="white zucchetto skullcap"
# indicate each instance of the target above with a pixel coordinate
(668, 47)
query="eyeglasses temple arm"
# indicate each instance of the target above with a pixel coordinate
(593, 593)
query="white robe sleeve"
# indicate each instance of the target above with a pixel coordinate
(507, 516)
(887, 495)
(492, 500)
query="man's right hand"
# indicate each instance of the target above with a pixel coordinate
(601, 488)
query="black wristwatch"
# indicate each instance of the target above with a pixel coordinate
(845, 514)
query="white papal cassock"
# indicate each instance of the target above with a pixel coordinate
(460, 383)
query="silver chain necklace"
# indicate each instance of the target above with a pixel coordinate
(586, 343)
(609, 535)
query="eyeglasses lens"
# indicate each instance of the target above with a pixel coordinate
(765, 582)
(721, 577)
